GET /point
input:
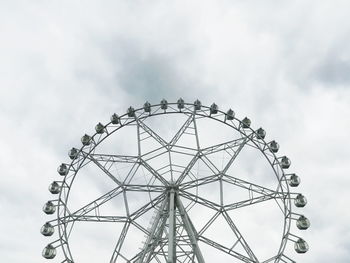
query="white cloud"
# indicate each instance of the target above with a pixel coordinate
(67, 65)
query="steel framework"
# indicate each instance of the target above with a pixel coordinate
(172, 188)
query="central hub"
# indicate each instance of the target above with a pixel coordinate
(174, 188)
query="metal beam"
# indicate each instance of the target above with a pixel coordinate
(190, 230)
(151, 241)
(234, 156)
(154, 172)
(172, 225)
(120, 242)
(240, 237)
(157, 240)
(104, 169)
(152, 133)
(180, 132)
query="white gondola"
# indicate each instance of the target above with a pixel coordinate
(131, 112)
(300, 201)
(246, 123)
(49, 252)
(147, 107)
(294, 180)
(197, 105)
(260, 133)
(303, 223)
(230, 115)
(301, 246)
(49, 208)
(62, 169)
(86, 139)
(100, 128)
(115, 119)
(73, 153)
(180, 103)
(285, 162)
(47, 230)
(163, 104)
(214, 109)
(54, 188)
(274, 146)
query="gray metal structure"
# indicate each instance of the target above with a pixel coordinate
(172, 235)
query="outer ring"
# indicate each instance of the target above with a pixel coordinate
(260, 144)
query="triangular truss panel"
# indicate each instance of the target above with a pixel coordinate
(212, 132)
(91, 183)
(159, 165)
(202, 216)
(258, 223)
(236, 192)
(168, 131)
(181, 162)
(210, 192)
(252, 166)
(220, 232)
(175, 183)
(123, 141)
(139, 202)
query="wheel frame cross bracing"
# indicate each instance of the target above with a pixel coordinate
(171, 215)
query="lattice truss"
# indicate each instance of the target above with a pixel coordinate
(178, 192)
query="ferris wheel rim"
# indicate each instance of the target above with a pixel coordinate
(194, 112)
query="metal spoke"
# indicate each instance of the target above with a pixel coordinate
(131, 173)
(188, 168)
(152, 133)
(225, 249)
(103, 168)
(142, 210)
(234, 156)
(209, 223)
(137, 225)
(200, 200)
(223, 146)
(93, 218)
(97, 202)
(202, 154)
(144, 188)
(154, 172)
(120, 242)
(180, 132)
(252, 201)
(154, 153)
(239, 236)
(199, 182)
(212, 167)
(247, 185)
(111, 158)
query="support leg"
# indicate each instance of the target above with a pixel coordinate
(190, 230)
(155, 232)
(172, 232)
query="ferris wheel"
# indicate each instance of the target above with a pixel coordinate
(175, 182)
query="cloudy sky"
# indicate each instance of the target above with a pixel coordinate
(65, 65)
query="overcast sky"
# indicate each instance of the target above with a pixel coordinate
(65, 65)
